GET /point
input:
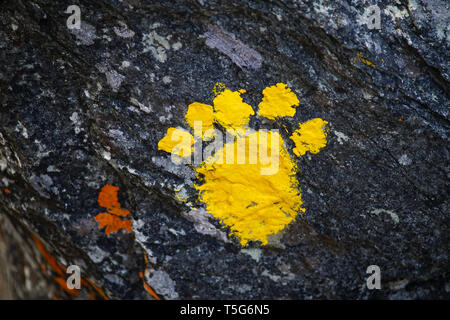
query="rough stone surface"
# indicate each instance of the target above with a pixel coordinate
(79, 110)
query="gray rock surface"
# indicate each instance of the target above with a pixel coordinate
(80, 109)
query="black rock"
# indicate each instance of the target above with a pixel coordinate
(83, 108)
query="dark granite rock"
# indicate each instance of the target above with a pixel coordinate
(80, 109)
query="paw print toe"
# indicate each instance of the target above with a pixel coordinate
(178, 142)
(203, 115)
(230, 111)
(278, 101)
(311, 136)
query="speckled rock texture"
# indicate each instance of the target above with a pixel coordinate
(80, 109)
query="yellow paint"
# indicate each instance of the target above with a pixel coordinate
(177, 141)
(230, 110)
(253, 192)
(252, 205)
(218, 88)
(180, 194)
(310, 136)
(200, 112)
(365, 61)
(278, 101)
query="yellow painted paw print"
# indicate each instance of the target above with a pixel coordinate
(247, 179)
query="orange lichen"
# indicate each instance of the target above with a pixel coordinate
(146, 285)
(61, 271)
(112, 223)
(109, 199)
(145, 258)
(7, 191)
(54, 265)
(97, 289)
(150, 290)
